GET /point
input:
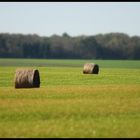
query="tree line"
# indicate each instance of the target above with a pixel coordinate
(100, 46)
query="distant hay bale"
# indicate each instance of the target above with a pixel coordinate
(91, 68)
(27, 78)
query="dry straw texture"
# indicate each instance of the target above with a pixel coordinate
(91, 68)
(27, 78)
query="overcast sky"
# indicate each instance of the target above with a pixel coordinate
(75, 18)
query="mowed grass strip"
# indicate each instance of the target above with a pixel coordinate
(70, 111)
(74, 76)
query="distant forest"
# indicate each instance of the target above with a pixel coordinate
(101, 46)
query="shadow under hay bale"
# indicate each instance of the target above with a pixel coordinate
(27, 78)
(91, 68)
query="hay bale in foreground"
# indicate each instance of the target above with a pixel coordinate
(27, 78)
(91, 68)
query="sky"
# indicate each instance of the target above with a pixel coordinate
(74, 18)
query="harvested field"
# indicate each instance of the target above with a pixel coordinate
(71, 104)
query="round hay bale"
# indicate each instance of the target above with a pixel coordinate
(91, 68)
(27, 78)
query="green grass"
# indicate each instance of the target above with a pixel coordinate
(69, 63)
(69, 103)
